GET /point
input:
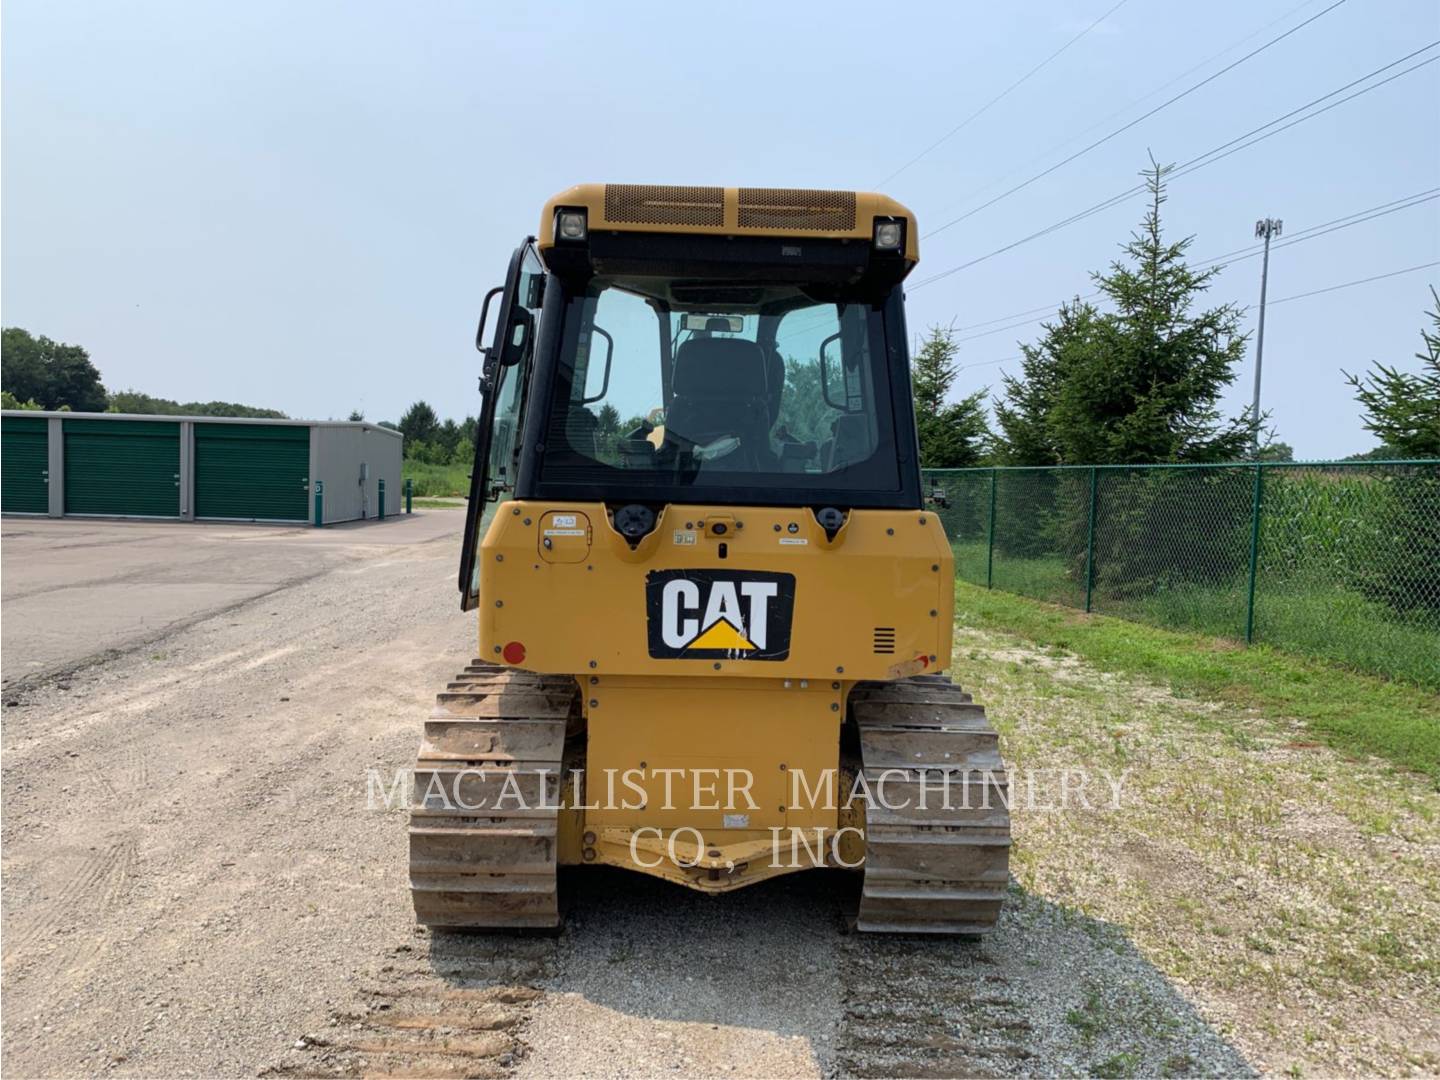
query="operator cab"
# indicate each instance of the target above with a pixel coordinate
(706, 345)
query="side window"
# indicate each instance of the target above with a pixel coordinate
(828, 398)
(616, 387)
(504, 444)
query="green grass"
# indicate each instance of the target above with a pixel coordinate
(1317, 618)
(437, 504)
(441, 480)
(1352, 711)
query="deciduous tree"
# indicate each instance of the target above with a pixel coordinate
(50, 372)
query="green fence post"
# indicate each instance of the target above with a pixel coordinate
(1090, 541)
(409, 493)
(990, 554)
(1255, 500)
(319, 503)
(382, 500)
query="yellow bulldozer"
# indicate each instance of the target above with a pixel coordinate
(714, 609)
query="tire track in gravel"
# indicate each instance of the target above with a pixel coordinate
(221, 781)
(452, 1005)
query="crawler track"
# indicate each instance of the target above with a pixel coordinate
(494, 743)
(932, 865)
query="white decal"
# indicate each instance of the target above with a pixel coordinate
(677, 594)
(684, 537)
(737, 821)
(759, 594)
(563, 521)
(565, 532)
(721, 615)
(793, 540)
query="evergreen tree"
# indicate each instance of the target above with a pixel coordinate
(952, 435)
(1140, 383)
(418, 425)
(1024, 411)
(608, 420)
(1404, 409)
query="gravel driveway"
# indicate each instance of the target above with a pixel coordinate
(194, 885)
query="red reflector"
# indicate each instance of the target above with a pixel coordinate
(514, 653)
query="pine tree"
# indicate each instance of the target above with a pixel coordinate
(1137, 384)
(419, 426)
(1404, 409)
(955, 435)
(1024, 412)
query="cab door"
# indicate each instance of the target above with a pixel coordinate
(503, 381)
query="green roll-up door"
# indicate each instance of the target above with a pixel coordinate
(128, 468)
(254, 472)
(25, 465)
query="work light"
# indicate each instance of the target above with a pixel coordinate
(570, 224)
(888, 235)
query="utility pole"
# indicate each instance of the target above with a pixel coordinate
(1266, 228)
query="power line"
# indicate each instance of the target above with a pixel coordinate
(1282, 300)
(1144, 116)
(1249, 252)
(988, 363)
(1002, 95)
(1208, 158)
(1044, 310)
(1358, 281)
(1142, 98)
(1050, 312)
(1324, 229)
(1214, 155)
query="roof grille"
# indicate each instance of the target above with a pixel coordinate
(796, 208)
(885, 640)
(658, 204)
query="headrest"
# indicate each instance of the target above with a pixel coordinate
(720, 367)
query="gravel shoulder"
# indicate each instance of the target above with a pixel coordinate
(193, 884)
(1291, 892)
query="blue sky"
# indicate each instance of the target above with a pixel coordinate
(301, 205)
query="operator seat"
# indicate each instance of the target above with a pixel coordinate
(774, 381)
(851, 442)
(720, 389)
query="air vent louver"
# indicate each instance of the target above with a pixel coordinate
(659, 204)
(795, 208)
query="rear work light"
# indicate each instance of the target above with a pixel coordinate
(888, 235)
(570, 224)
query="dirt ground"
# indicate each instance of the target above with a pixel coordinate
(194, 883)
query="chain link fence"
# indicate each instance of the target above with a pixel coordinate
(1338, 560)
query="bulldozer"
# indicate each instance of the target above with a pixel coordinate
(714, 609)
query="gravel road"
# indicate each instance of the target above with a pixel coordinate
(194, 885)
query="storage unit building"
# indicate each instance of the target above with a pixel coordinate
(197, 467)
(24, 465)
(252, 472)
(122, 468)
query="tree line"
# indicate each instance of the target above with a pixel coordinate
(38, 373)
(433, 441)
(1137, 377)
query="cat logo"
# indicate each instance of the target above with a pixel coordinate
(719, 614)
